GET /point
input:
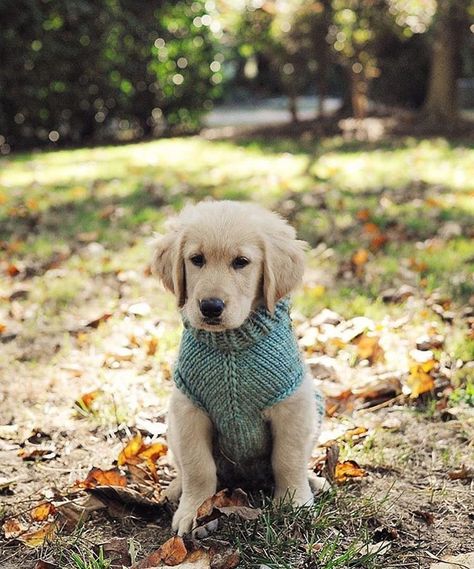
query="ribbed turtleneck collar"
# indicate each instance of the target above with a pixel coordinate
(258, 324)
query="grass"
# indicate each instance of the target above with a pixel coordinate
(333, 533)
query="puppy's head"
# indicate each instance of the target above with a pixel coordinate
(223, 259)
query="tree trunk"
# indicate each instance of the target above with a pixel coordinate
(293, 108)
(441, 105)
(359, 98)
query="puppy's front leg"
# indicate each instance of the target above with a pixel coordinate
(191, 443)
(293, 424)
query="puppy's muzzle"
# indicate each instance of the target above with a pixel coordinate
(211, 309)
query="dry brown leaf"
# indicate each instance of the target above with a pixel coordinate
(427, 517)
(38, 537)
(463, 473)
(43, 453)
(98, 321)
(171, 553)
(226, 503)
(13, 270)
(98, 477)
(348, 470)
(151, 345)
(363, 215)
(12, 528)
(43, 511)
(371, 228)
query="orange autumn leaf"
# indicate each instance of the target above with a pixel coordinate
(133, 447)
(420, 381)
(346, 470)
(43, 511)
(173, 551)
(363, 215)
(38, 537)
(360, 257)
(85, 401)
(137, 451)
(378, 241)
(3, 327)
(98, 477)
(151, 346)
(371, 228)
(13, 270)
(368, 348)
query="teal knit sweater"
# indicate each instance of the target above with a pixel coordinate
(234, 375)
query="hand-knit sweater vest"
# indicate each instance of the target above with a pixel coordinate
(235, 374)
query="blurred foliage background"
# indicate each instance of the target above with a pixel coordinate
(80, 71)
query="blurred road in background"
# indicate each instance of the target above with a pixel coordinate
(268, 111)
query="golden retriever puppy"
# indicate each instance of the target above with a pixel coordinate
(243, 410)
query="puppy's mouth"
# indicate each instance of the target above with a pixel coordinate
(212, 321)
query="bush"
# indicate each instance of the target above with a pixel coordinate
(76, 70)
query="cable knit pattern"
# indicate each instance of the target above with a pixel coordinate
(235, 374)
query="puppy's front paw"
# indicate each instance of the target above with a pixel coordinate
(298, 496)
(183, 520)
(184, 517)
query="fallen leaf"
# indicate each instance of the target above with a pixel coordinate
(98, 477)
(138, 451)
(98, 321)
(427, 517)
(360, 257)
(226, 503)
(39, 537)
(151, 346)
(3, 327)
(85, 401)
(172, 552)
(363, 215)
(43, 511)
(117, 552)
(419, 381)
(462, 561)
(46, 453)
(462, 474)
(348, 470)
(13, 270)
(12, 528)
(368, 348)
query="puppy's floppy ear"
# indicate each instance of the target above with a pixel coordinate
(168, 262)
(283, 263)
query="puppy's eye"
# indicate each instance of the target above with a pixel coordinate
(198, 260)
(240, 262)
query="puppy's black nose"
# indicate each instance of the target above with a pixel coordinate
(211, 307)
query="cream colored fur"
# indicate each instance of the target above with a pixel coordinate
(222, 231)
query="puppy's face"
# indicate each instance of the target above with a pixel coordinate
(223, 259)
